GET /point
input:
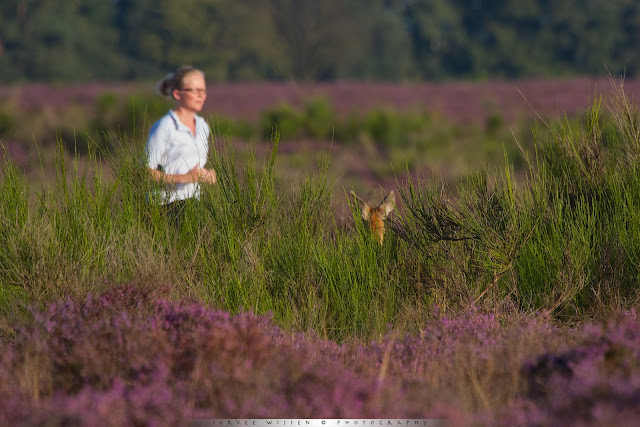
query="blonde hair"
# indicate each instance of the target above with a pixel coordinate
(175, 80)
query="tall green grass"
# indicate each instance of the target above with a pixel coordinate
(251, 243)
(564, 237)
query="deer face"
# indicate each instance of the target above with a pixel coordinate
(376, 217)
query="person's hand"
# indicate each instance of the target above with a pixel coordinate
(193, 175)
(207, 176)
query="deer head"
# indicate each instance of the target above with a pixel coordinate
(376, 217)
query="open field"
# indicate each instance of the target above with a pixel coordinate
(458, 101)
(510, 299)
(464, 125)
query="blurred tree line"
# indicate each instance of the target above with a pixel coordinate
(80, 40)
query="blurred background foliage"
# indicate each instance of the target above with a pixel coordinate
(52, 41)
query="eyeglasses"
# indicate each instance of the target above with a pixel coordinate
(194, 90)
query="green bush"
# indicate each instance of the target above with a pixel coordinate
(283, 119)
(140, 111)
(493, 125)
(107, 113)
(560, 240)
(318, 119)
(7, 122)
(222, 126)
(395, 129)
(386, 128)
(349, 130)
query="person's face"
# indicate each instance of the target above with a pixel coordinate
(193, 92)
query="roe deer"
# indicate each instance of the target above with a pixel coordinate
(376, 217)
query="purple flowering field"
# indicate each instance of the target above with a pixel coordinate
(459, 101)
(129, 356)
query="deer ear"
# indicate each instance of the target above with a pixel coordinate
(366, 210)
(389, 203)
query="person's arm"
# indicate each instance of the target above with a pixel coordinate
(196, 174)
(165, 178)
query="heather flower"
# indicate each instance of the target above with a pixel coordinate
(146, 361)
(595, 381)
(128, 356)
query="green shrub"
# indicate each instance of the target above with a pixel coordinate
(107, 102)
(235, 128)
(394, 129)
(7, 122)
(493, 125)
(349, 130)
(107, 113)
(283, 119)
(386, 128)
(140, 109)
(319, 119)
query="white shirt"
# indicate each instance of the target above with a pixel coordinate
(173, 149)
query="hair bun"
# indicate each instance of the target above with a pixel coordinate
(163, 87)
(172, 81)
